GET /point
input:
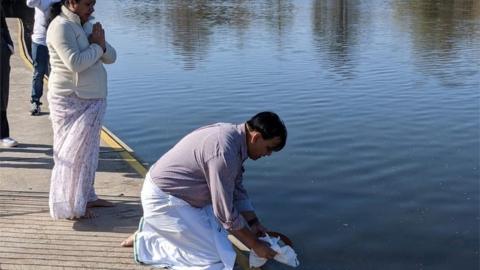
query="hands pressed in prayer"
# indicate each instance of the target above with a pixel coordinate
(98, 35)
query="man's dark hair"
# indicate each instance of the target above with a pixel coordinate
(270, 126)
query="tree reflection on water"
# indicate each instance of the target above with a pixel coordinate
(438, 29)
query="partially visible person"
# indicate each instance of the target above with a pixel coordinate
(39, 50)
(194, 194)
(5, 54)
(77, 101)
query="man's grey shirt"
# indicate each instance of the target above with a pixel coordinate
(206, 167)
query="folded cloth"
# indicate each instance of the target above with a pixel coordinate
(285, 253)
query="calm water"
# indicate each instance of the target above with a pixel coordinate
(381, 98)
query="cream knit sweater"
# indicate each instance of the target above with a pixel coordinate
(76, 65)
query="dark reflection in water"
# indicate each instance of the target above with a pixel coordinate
(381, 98)
(190, 24)
(440, 30)
(336, 25)
(438, 25)
(279, 16)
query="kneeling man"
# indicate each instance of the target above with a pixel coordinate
(193, 195)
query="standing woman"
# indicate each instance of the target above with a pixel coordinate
(77, 99)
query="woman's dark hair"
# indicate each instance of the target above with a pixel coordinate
(270, 126)
(55, 10)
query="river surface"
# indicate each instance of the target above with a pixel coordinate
(381, 100)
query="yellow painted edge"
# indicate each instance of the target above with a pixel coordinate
(114, 142)
(22, 45)
(107, 136)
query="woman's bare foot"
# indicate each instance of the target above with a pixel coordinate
(100, 203)
(129, 241)
(89, 214)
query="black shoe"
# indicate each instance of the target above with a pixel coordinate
(35, 109)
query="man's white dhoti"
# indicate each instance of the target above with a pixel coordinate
(175, 235)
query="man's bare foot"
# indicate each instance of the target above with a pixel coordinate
(100, 203)
(129, 241)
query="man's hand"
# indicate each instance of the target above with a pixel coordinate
(263, 250)
(258, 229)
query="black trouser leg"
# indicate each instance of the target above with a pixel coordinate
(4, 91)
(4, 128)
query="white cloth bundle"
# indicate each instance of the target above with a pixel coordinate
(285, 253)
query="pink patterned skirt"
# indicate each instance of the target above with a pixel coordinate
(76, 127)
